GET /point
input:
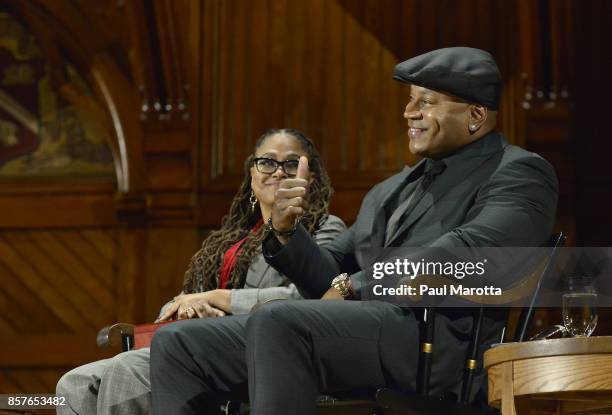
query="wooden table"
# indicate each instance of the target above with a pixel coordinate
(560, 376)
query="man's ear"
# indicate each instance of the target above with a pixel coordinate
(477, 117)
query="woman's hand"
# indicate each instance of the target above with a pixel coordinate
(213, 303)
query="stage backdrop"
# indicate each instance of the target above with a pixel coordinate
(124, 126)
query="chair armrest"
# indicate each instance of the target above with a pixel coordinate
(113, 335)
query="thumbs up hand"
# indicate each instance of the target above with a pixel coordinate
(290, 201)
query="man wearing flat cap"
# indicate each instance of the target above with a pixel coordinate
(471, 189)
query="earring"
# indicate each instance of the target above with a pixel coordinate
(253, 201)
(472, 128)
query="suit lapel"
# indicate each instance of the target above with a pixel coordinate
(379, 224)
(256, 272)
(439, 187)
(457, 171)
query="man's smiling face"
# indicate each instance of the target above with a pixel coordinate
(437, 123)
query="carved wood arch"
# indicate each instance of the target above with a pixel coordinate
(60, 29)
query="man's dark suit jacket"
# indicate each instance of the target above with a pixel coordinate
(491, 194)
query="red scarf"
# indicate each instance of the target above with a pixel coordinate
(230, 256)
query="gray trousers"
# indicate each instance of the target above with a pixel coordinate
(119, 385)
(287, 352)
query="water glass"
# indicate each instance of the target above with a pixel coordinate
(580, 312)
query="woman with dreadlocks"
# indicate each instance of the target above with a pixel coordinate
(228, 275)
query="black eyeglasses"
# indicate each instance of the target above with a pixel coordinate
(269, 166)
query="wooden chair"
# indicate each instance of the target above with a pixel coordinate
(391, 402)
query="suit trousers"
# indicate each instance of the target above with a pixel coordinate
(288, 352)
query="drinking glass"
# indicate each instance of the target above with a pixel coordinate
(580, 310)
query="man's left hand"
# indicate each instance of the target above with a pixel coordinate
(332, 294)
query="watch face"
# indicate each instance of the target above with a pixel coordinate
(339, 278)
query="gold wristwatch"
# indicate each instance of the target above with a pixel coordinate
(343, 284)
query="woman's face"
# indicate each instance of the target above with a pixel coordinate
(279, 147)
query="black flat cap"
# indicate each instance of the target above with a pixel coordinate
(468, 73)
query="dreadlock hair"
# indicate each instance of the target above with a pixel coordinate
(203, 271)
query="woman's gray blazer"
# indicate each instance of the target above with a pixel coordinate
(264, 283)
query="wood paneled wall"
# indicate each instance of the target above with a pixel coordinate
(184, 89)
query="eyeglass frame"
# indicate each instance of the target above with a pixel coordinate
(278, 163)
